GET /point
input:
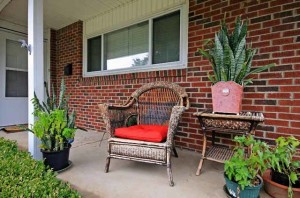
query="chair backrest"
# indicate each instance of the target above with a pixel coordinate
(156, 100)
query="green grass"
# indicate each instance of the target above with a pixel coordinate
(22, 176)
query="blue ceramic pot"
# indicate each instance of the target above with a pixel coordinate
(248, 192)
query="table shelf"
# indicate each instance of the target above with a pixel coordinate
(219, 154)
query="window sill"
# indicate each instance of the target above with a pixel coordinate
(168, 66)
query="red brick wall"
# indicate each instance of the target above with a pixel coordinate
(274, 29)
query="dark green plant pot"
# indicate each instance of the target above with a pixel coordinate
(248, 192)
(57, 160)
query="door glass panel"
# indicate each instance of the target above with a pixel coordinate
(16, 57)
(16, 84)
(16, 75)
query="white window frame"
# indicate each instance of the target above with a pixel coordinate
(183, 47)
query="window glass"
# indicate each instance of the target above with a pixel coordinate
(127, 47)
(16, 57)
(166, 38)
(94, 54)
(16, 84)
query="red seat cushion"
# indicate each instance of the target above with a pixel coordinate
(149, 133)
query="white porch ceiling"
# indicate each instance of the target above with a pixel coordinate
(58, 13)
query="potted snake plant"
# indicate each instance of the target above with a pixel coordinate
(242, 171)
(55, 127)
(231, 61)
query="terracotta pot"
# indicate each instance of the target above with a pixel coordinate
(277, 190)
(227, 97)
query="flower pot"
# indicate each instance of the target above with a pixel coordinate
(283, 179)
(248, 192)
(275, 189)
(57, 160)
(227, 97)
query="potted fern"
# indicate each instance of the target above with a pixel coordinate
(283, 179)
(55, 127)
(243, 169)
(231, 61)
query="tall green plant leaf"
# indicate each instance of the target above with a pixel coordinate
(218, 57)
(239, 59)
(236, 33)
(229, 61)
(261, 69)
(61, 94)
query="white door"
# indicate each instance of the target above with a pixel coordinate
(13, 80)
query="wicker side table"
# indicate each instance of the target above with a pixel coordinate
(244, 123)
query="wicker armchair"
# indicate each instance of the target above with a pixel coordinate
(159, 103)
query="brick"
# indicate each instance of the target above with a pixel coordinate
(291, 19)
(296, 124)
(258, 7)
(271, 122)
(281, 41)
(290, 88)
(291, 60)
(281, 82)
(291, 46)
(283, 14)
(295, 109)
(265, 102)
(211, 24)
(291, 6)
(282, 27)
(261, 19)
(267, 89)
(292, 74)
(270, 36)
(265, 128)
(195, 18)
(269, 10)
(291, 33)
(283, 54)
(269, 49)
(279, 95)
(277, 109)
(282, 68)
(289, 102)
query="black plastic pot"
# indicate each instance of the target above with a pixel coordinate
(57, 160)
(283, 179)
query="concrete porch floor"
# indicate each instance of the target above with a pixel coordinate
(134, 179)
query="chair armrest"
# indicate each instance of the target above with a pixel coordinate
(173, 123)
(115, 116)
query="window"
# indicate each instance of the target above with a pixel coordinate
(149, 45)
(16, 74)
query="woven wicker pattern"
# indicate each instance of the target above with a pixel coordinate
(139, 152)
(155, 103)
(226, 124)
(219, 154)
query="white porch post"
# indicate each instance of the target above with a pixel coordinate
(35, 67)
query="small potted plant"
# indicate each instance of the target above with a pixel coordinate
(231, 61)
(283, 179)
(243, 169)
(55, 127)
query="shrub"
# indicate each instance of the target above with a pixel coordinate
(22, 176)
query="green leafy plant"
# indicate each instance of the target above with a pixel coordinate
(244, 167)
(229, 55)
(22, 176)
(55, 125)
(282, 159)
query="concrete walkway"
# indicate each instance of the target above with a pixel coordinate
(134, 179)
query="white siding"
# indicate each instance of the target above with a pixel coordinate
(127, 14)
